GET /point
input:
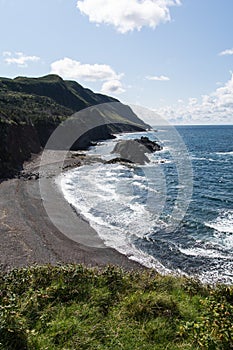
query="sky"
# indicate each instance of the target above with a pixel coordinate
(174, 57)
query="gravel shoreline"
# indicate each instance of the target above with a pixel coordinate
(28, 236)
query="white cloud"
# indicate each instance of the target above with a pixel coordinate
(158, 78)
(215, 108)
(6, 53)
(19, 58)
(193, 101)
(128, 15)
(226, 52)
(71, 69)
(112, 87)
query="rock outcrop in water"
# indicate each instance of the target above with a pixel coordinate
(134, 151)
(151, 146)
(32, 108)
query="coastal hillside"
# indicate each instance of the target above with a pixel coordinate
(74, 307)
(31, 109)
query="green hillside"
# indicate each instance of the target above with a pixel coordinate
(32, 108)
(74, 307)
(47, 98)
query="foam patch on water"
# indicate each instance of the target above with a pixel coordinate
(116, 218)
(198, 158)
(202, 159)
(106, 201)
(202, 252)
(219, 273)
(230, 153)
(223, 223)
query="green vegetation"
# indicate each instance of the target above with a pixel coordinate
(29, 100)
(32, 108)
(74, 307)
(52, 99)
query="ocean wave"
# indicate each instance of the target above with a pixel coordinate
(229, 153)
(223, 223)
(197, 158)
(214, 158)
(219, 273)
(117, 230)
(202, 159)
(203, 252)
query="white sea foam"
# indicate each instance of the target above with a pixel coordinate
(223, 223)
(202, 159)
(116, 229)
(220, 273)
(107, 199)
(230, 153)
(202, 252)
(226, 241)
(197, 158)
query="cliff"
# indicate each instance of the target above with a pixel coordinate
(32, 108)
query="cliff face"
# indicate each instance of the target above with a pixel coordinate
(32, 108)
(17, 142)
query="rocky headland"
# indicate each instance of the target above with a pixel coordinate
(32, 108)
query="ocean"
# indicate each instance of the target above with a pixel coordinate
(174, 214)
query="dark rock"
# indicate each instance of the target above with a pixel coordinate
(118, 160)
(134, 151)
(152, 146)
(72, 165)
(28, 175)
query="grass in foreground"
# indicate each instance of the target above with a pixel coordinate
(74, 307)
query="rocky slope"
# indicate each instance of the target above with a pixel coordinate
(32, 108)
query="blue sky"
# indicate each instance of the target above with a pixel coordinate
(172, 56)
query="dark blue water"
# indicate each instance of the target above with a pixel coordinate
(203, 242)
(174, 214)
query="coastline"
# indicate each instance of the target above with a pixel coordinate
(29, 237)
